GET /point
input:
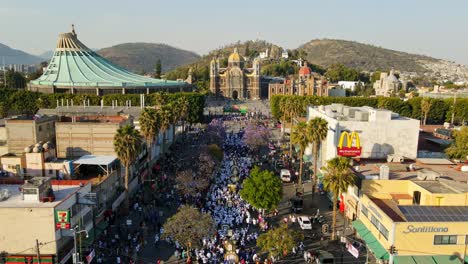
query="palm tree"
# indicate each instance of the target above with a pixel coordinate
(165, 119)
(426, 104)
(283, 105)
(127, 146)
(338, 177)
(317, 130)
(149, 128)
(183, 110)
(299, 136)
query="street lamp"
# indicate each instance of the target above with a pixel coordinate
(75, 232)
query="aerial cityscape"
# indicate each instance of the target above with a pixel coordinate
(218, 132)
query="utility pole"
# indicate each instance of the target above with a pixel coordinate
(453, 107)
(38, 252)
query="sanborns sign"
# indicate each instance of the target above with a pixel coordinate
(425, 229)
(349, 150)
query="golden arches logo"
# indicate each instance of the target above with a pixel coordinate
(349, 150)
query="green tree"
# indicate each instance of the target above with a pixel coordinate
(158, 69)
(4, 108)
(339, 72)
(459, 147)
(262, 189)
(426, 105)
(189, 226)
(338, 177)
(279, 241)
(317, 130)
(14, 80)
(149, 127)
(375, 76)
(127, 146)
(299, 136)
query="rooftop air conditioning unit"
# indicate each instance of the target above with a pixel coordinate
(4, 194)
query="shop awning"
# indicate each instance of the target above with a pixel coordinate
(372, 243)
(438, 259)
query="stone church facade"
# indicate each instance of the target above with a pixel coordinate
(236, 81)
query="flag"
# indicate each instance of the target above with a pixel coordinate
(90, 257)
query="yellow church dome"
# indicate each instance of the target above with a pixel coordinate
(235, 57)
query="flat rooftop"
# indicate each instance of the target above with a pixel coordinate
(399, 171)
(435, 187)
(435, 213)
(93, 119)
(61, 192)
(134, 111)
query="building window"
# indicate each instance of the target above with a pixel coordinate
(375, 222)
(383, 231)
(445, 240)
(364, 211)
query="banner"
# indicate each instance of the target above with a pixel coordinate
(90, 257)
(62, 219)
(349, 150)
(351, 249)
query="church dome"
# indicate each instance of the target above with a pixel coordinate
(305, 70)
(235, 57)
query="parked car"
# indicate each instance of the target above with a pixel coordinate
(304, 222)
(285, 175)
(324, 257)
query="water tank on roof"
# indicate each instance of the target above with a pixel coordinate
(28, 149)
(384, 173)
(37, 149)
(362, 116)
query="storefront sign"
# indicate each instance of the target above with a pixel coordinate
(62, 219)
(425, 229)
(349, 150)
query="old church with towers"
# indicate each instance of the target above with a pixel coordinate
(236, 81)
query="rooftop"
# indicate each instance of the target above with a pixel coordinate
(342, 112)
(61, 192)
(435, 213)
(75, 65)
(134, 111)
(93, 119)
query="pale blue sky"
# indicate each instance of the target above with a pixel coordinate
(435, 28)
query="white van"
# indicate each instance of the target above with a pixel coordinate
(285, 175)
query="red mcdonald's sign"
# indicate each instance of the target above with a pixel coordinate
(349, 150)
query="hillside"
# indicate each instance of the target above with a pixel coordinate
(362, 56)
(13, 56)
(142, 57)
(253, 49)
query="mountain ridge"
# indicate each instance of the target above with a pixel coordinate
(15, 56)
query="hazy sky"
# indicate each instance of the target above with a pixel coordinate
(430, 27)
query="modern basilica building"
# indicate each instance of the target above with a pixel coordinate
(75, 68)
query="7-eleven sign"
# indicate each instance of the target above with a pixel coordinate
(62, 219)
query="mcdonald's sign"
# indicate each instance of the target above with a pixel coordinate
(349, 150)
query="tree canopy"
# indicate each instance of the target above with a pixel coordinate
(262, 189)
(189, 226)
(279, 241)
(339, 72)
(459, 147)
(256, 135)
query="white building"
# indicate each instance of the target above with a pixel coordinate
(284, 54)
(381, 132)
(28, 214)
(348, 85)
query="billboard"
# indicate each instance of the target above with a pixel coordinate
(349, 149)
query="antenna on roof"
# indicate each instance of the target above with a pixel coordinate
(73, 29)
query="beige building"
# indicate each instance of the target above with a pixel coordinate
(387, 85)
(23, 131)
(28, 214)
(85, 135)
(308, 83)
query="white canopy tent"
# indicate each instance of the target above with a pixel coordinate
(104, 162)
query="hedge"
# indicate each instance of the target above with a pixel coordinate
(441, 110)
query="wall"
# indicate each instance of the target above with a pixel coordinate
(23, 133)
(20, 227)
(422, 243)
(378, 139)
(78, 139)
(381, 216)
(9, 164)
